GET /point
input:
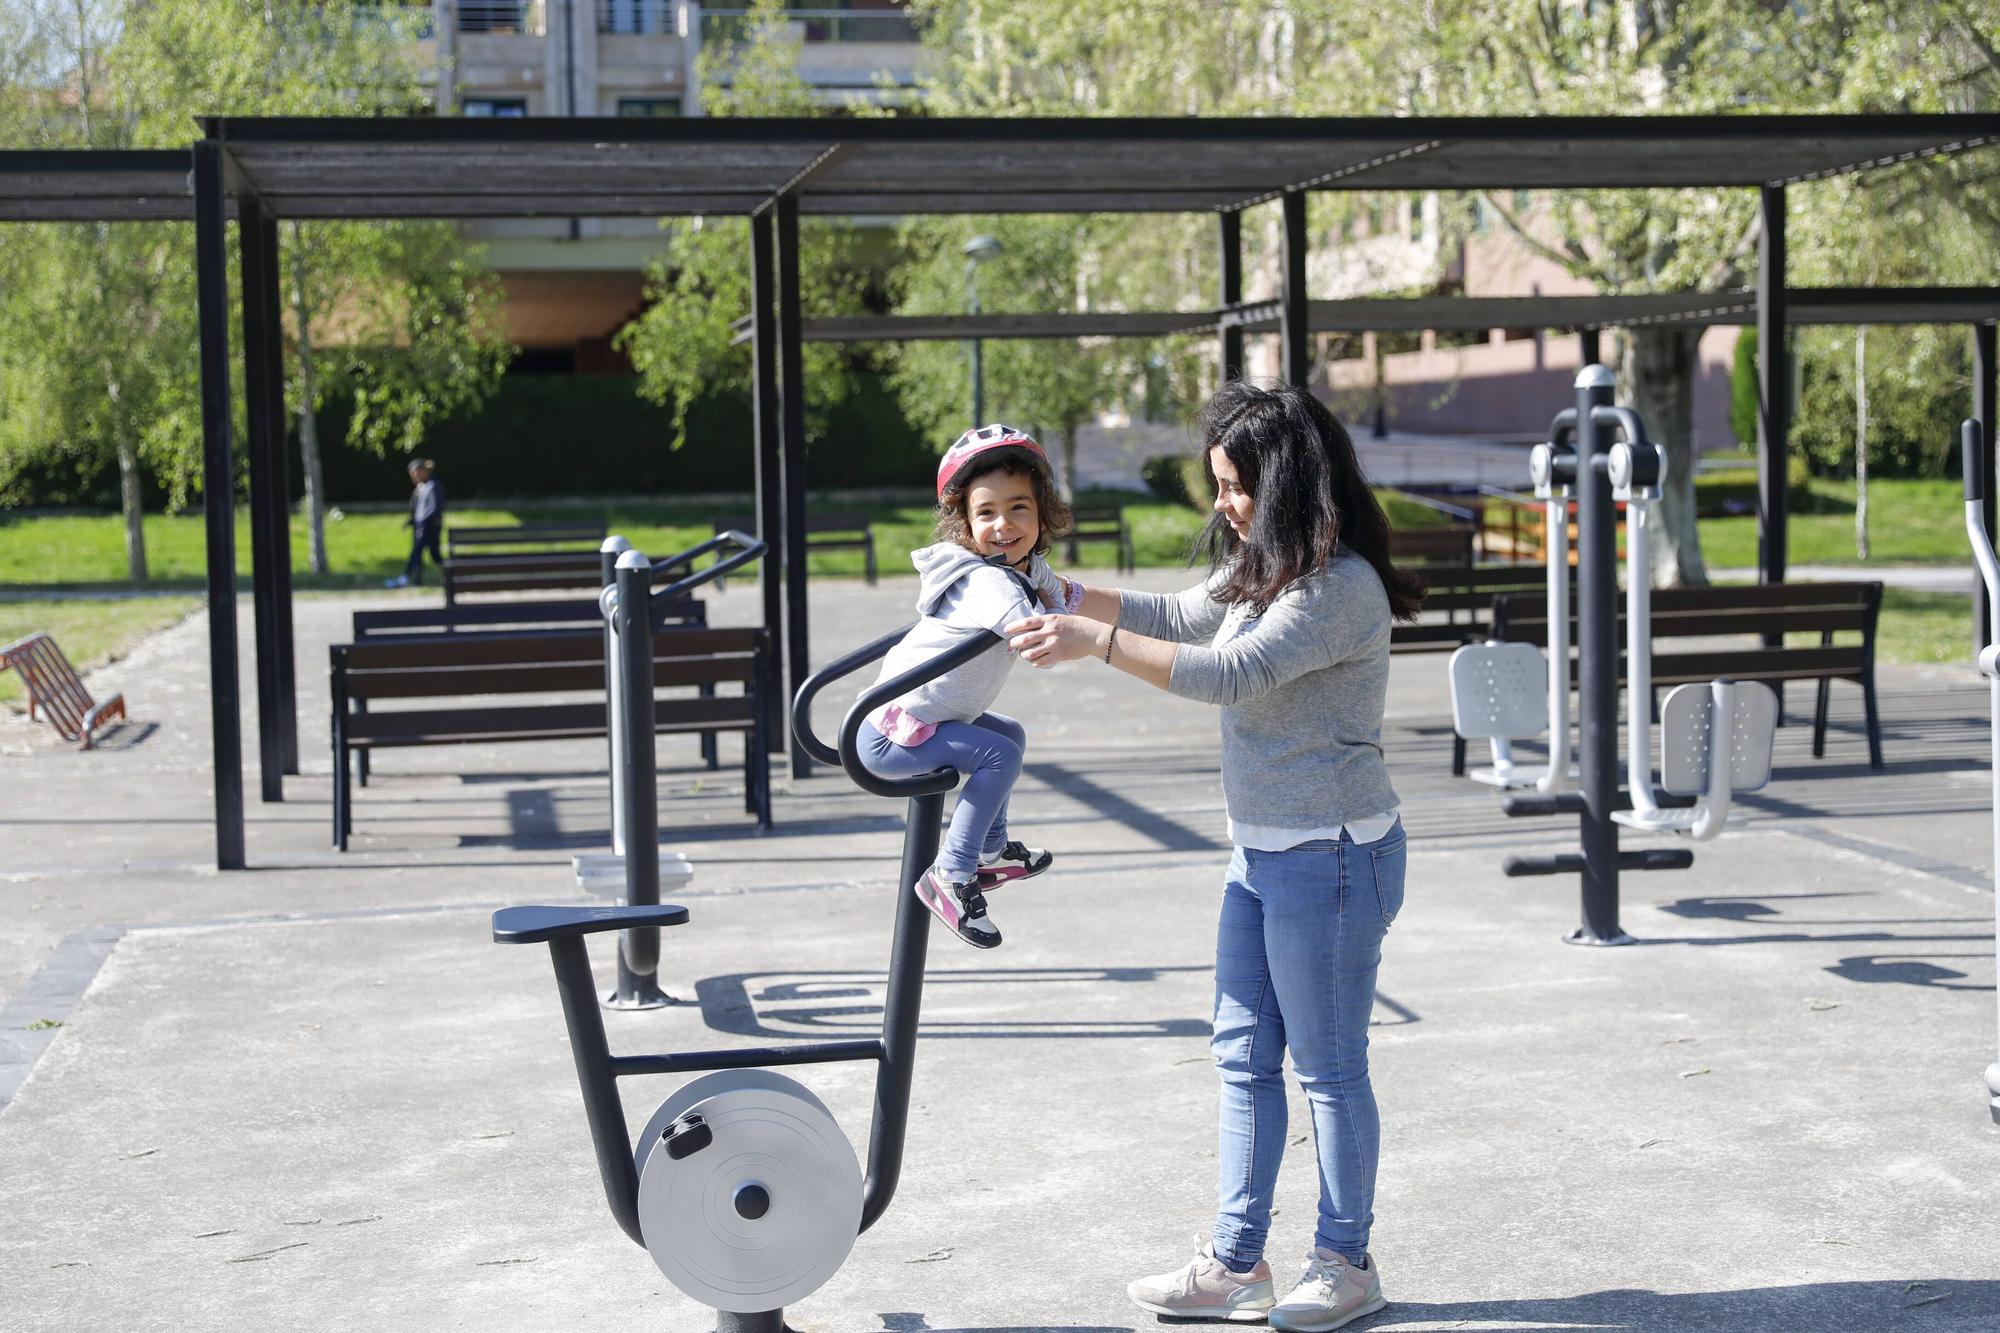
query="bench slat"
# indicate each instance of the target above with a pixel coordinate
(437, 683)
(451, 726)
(524, 648)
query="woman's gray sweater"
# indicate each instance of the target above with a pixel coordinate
(1302, 689)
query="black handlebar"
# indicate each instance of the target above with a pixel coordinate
(1972, 446)
(848, 754)
(1626, 420)
(749, 548)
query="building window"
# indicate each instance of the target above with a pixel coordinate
(649, 106)
(640, 17)
(501, 108)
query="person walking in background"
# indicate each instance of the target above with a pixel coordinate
(1289, 634)
(426, 523)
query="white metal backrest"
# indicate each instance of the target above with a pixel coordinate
(1498, 691)
(1684, 728)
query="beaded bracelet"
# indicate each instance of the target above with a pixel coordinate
(1110, 640)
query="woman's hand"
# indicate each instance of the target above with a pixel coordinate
(1045, 640)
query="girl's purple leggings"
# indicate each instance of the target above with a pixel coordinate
(987, 750)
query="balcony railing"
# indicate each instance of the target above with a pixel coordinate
(814, 25)
(520, 18)
(652, 18)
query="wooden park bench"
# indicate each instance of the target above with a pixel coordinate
(493, 541)
(54, 688)
(504, 617)
(1101, 523)
(826, 530)
(1446, 545)
(548, 571)
(456, 677)
(1737, 613)
(1458, 607)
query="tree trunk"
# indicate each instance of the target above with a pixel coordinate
(128, 484)
(1658, 367)
(1066, 442)
(309, 420)
(1861, 444)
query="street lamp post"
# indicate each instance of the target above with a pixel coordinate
(977, 251)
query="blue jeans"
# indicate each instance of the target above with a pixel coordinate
(1295, 958)
(987, 750)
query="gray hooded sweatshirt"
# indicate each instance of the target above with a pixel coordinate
(962, 594)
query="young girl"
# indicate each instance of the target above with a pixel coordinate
(997, 510)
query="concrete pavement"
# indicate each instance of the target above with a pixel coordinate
(315, 1095)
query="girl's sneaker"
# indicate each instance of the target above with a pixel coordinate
(1014, 861)
(959, 904)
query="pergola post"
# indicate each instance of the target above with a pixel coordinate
(769, 475)
(1229, 232)
(792, 450)
(1774, 388)
(1294, 357)
(1983, 386)
(218, 499)
(269, 539)
(1590, 346)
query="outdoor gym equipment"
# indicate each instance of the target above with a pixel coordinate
(1714, 732)
(743, 1188)
(1698, 721)
(629, 605)
(1504, 692)
(1973, 445)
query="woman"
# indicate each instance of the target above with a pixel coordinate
(1289, 634)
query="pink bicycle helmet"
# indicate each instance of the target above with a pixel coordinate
(985, 440)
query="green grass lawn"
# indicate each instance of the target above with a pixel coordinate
(90, 632)
(1910, 522)
(364, 549)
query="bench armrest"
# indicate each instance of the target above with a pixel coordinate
(538, 925)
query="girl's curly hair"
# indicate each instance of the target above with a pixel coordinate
(1051, 511)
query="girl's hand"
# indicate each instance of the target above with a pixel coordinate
(1045, 640)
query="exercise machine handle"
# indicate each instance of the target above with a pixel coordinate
(846, 665)
(748, 548)
(847, 752)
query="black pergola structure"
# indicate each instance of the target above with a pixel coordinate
(260, 170)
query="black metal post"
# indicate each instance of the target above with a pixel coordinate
(279, 493)
(1295, 358)
(766, 1321)
(791, 362)
(1983, 386)
(252, 236)
(764, 403)
(1774, 388)
(1229, 233)
(1590, 345)
(218, 500)
(1597, 662)
(601, 1103)
(639, 948)
(901, 1006)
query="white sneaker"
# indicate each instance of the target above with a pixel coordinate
(1331, 1293)
(1204, 1288)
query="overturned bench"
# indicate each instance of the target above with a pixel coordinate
(448, 673)
(54, 688)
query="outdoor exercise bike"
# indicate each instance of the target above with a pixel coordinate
(743, 1188)
(1973, 446)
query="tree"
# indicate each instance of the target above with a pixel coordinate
(97, 323)
(683, 344)
(1044, 263)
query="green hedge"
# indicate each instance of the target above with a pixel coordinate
(545, 435)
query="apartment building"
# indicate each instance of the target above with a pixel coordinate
(571, 285)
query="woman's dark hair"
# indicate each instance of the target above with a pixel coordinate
(1298, 464)
(1051, 513)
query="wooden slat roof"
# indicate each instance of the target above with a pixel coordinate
(605, 167)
